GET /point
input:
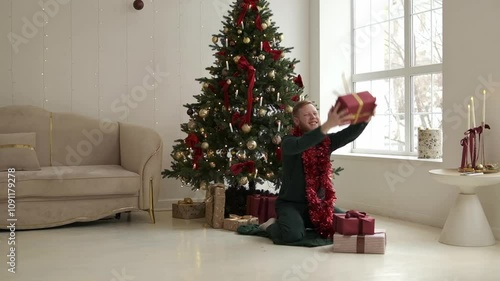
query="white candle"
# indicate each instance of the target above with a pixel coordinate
(227, 65)
(261, 47)
(279, 125)
(278, 96)
(484, 106)
(226, 42)
(260, 101)
(236, 94)
(242, 25)
(468, 116)
(473, 112)
(231, 127)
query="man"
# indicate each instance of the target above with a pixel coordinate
(307, 196)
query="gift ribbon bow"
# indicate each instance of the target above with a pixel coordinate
(360, 108)
(238, 168)
(245, 65)
(355, 214)
(267, 48)
(298, 81)
(187, 200)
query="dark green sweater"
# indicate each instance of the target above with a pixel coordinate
(293, 188)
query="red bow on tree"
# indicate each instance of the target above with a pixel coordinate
(298, 80)
(238, 168)
(250, 4)
(225, 90)
(245, 65)
(191, 140)
(267, 48)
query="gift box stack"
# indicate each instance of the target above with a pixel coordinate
(360, 105)
(355, 233)
(234, 221)
(215, 200)
(262, 206)
(187, 209)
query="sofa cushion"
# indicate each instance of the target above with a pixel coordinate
(17, 151)
(73, 181)
(28, 118)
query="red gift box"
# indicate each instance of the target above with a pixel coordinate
(360, 105)
(354, 223)
(261, 206)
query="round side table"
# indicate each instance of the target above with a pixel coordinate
(466, 224)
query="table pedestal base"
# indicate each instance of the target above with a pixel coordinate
(466, 224)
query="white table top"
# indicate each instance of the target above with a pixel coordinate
(453, 177)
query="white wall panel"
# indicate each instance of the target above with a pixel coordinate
(57, 57)
(112, 56)
(141, 54)
(6, 51)
(28, 21)
(85, 57)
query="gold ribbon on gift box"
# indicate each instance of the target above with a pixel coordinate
(360, 108)
(245, 218)
(185, 201)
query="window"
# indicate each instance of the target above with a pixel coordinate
(397, 56)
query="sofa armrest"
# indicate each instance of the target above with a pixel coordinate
(141, 152)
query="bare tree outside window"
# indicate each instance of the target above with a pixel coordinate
(397, 57)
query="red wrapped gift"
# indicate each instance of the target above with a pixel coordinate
(354, 223)
(261, 206)
(360, 105)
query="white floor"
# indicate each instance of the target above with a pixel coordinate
(173, 249)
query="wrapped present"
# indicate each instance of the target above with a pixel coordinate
(368, 244)
(360, 105)
(187, 209)
(354, 222)
(234, 221)
(215, 201)
(261, 206)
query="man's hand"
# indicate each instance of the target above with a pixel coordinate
(336, 118)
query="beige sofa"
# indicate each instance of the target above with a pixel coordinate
(87, 168)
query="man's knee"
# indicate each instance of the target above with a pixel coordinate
(293, 235)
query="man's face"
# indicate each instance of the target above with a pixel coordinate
(307, 118)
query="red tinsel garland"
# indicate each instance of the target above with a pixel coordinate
(318, 170)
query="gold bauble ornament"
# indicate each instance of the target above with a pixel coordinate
(240, 31)
(282, 37)
(262, 57)
(215, 39)
(203, 113)
(202, 130)
(226, 30)
(264, 26)
(241, 155)
(270, 175)
(228, 81)
(272, 74)
(243, 180)
(479, 167)
(236, 59)
(204, 145)
(205, 85)
(246, 128)
(262, 112)
(210, 153)
(191, 125)
(178, 155)
(251, 144)
(203, 185)
(277, 139)
(212, 164)
(246, 40)
(288, 109)
(282, 55)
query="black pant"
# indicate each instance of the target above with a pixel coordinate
(292, 221)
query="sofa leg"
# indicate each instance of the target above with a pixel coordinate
(151, 202)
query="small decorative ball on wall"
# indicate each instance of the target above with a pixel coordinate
(138, 4)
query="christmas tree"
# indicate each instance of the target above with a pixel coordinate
(244, 108)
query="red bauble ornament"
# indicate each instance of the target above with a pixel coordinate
(138, 4)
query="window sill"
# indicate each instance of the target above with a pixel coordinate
(350, 155)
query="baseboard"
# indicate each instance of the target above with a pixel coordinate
(394, 213)
(166, 204)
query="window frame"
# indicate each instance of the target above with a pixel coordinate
(407, 72)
